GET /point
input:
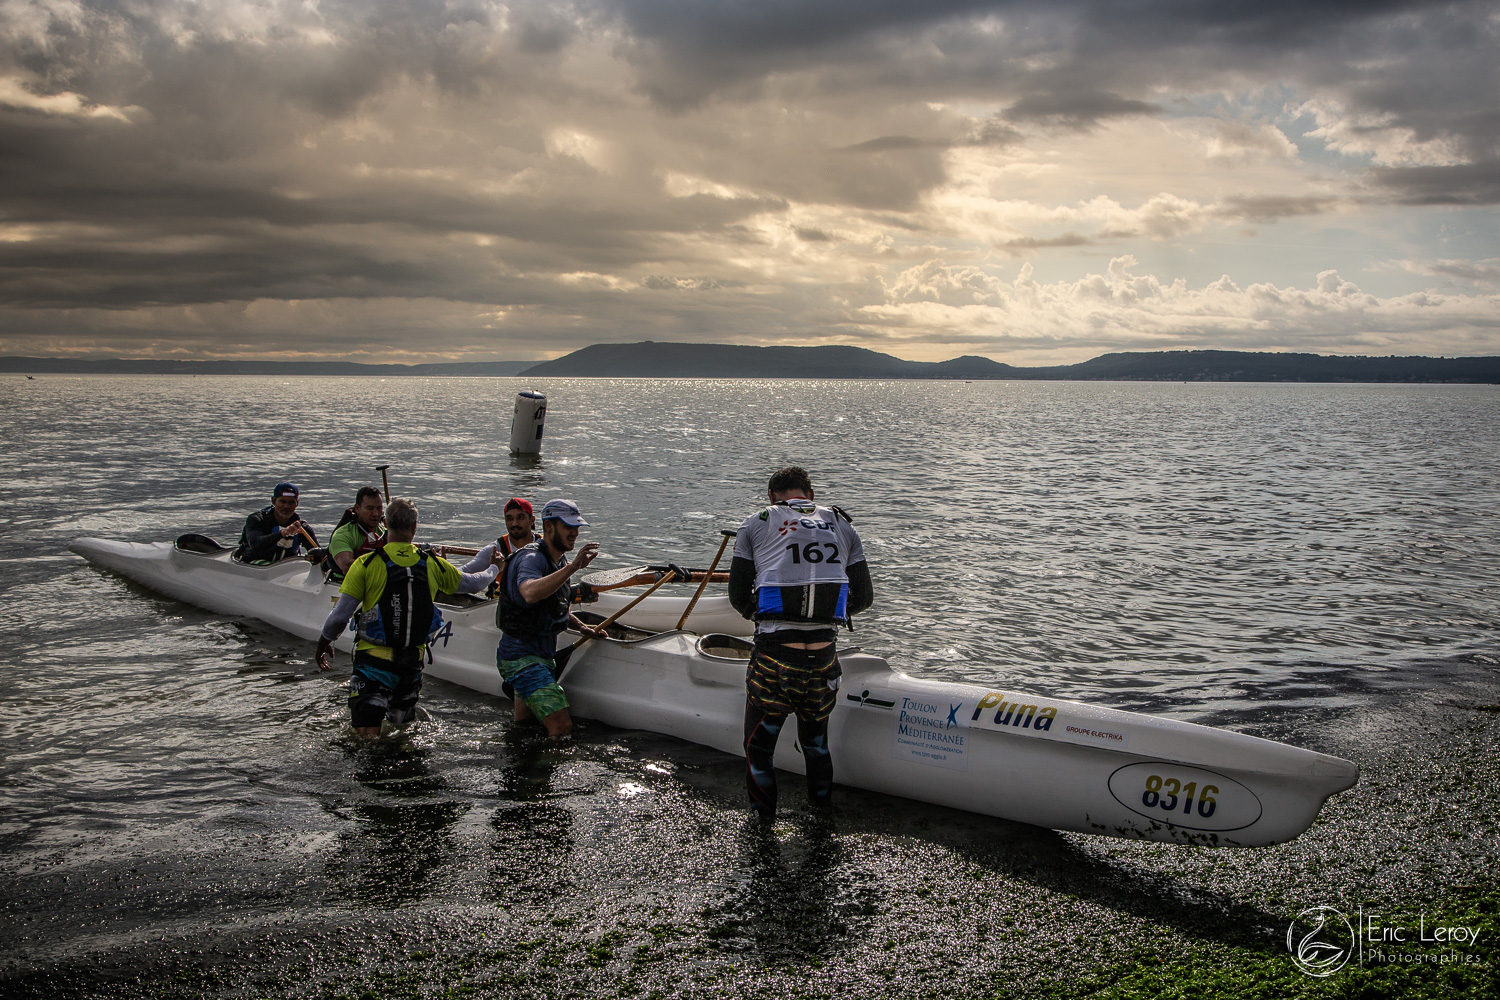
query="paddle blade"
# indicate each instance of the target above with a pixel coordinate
(636, 576)
(619, 577)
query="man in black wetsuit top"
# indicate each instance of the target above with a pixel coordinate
(799, 571)
(273, 533)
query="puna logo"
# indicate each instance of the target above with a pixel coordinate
(1013, 713)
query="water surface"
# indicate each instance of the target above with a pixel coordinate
(1297, 561)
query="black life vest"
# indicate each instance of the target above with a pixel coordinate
(548, 616)
(507, 549)
(406, 611)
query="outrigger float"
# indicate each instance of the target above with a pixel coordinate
(1009, 754)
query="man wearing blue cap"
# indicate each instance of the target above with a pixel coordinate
(533, 610)
(273, 533)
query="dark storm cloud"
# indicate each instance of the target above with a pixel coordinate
(1410, 64)
(888, 143)
(688, 49)
(1459, 184)
(1269, 208)
(1077, 110)
(307, 269)
(1029, 243)
(1486, 272)
(163, 53)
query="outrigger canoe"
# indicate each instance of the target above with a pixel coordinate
(293, 596)
(1004, 753)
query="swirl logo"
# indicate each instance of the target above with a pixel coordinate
(1320, 940)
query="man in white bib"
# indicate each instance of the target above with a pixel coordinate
(799, 571)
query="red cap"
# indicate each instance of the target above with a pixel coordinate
(515, 503)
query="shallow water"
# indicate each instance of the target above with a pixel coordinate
(1253, 555)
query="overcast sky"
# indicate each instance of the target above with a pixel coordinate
(1035, 182)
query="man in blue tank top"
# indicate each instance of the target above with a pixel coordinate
(799, 571)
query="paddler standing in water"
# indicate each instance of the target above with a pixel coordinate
(533, 610)
(361, 530)
(273, 533)
(393, 587)
(799, 571)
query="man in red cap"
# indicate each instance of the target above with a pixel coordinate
(519, 522)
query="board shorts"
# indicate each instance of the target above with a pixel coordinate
(783, 680)
(378, 691)
(534, 679)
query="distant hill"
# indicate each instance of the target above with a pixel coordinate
(654, 360)
(146, 366)
(1246, 366)
(659, 360)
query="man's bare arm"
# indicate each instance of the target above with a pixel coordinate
(544, 587)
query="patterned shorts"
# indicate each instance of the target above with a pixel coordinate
(783, 680)
(534, 679)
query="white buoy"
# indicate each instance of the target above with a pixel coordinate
(526, 424)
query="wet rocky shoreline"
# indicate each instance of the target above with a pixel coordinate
(620, 872)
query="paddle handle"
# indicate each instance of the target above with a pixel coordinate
(311, 541)
(682, 622)
(457, 550)
(385, 481)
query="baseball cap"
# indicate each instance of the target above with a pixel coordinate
(516, 503)
(282, 489)
(565, 511)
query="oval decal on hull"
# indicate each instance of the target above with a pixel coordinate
(1190, 797)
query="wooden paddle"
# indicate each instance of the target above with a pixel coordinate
(385, 481)
(613, 579)
(682, 622)
(636, 576)
(457, 550)
(597, 630)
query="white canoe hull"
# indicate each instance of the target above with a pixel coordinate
(659, 613)
(1035, 760)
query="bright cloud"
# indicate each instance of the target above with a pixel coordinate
(1382, 137)
(1119, 309)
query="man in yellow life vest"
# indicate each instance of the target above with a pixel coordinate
(393, 588)
(361, 530)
